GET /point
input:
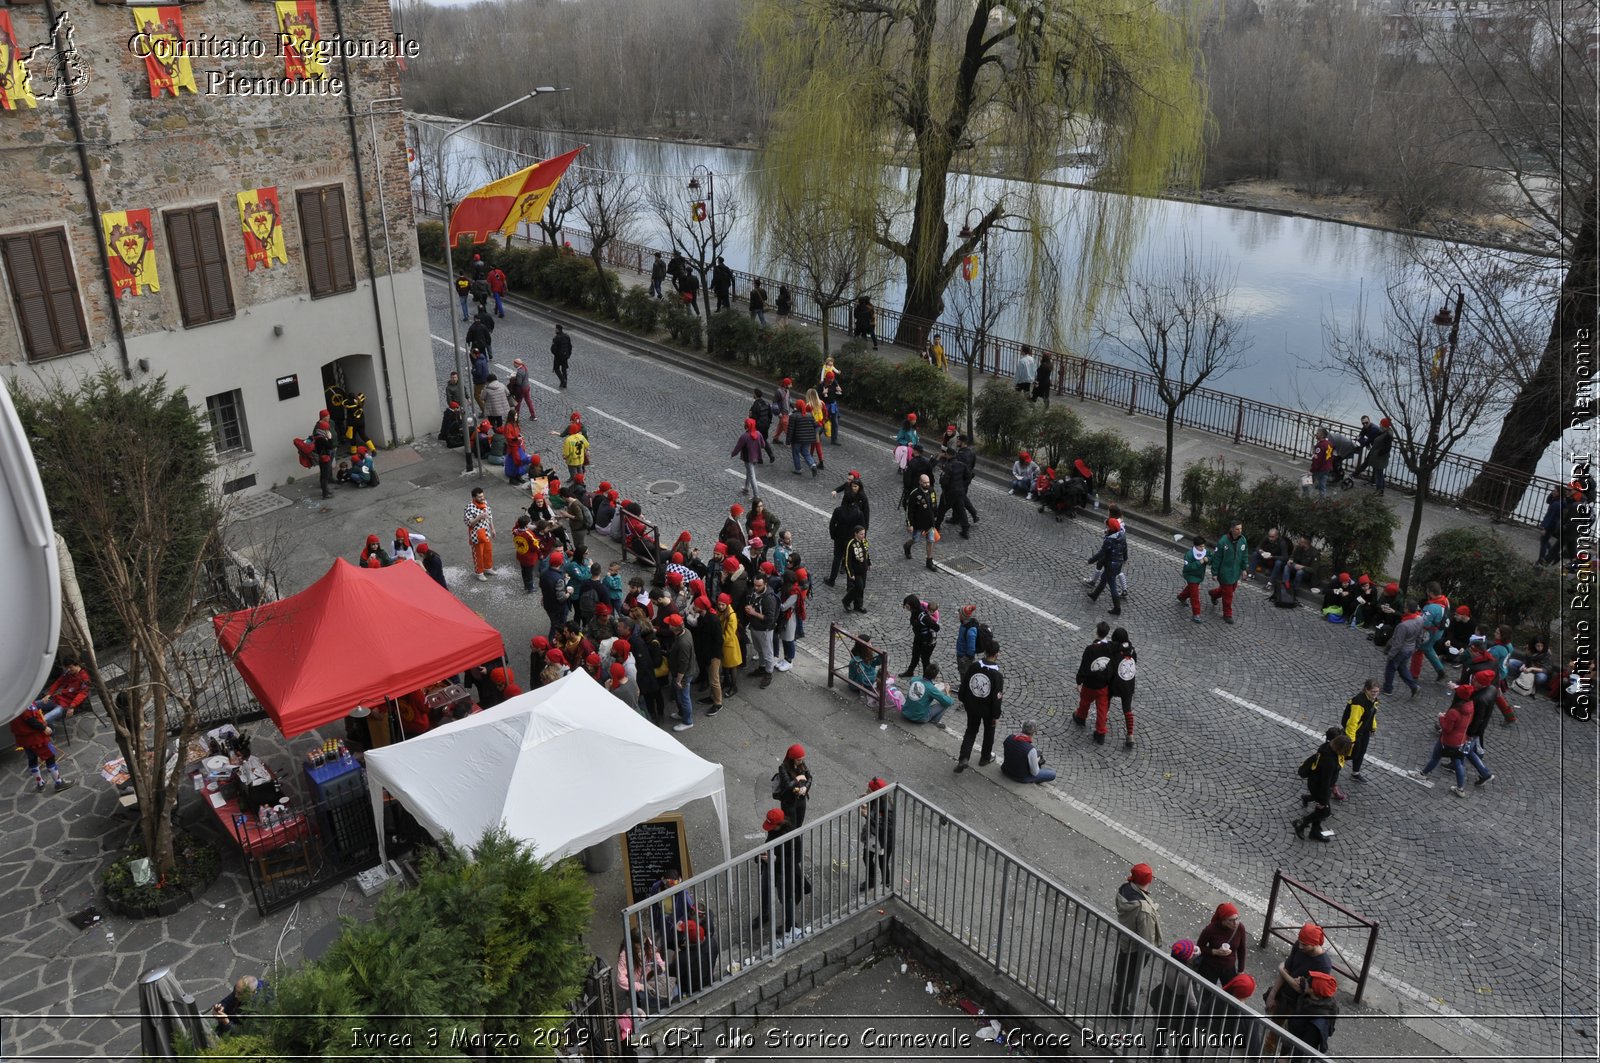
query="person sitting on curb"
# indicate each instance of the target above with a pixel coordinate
(1022, 762)
(926, 698)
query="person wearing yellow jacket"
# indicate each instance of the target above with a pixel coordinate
(575, 450)
(725, 667)
(1360, 720)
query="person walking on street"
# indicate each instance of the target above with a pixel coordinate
(1321, 463)
(857, 560)
(831, 392)
(1027, 367)
(1140, 914)
(842, 525)
(953, 494)
(924, 636)
(982, 690)
(560, 354)
(1452, 740)
(658, 273)
(758, 304)
(463, 291)
(1094, 681)
(1227, 564)
(1123, 677)
(1195, 563)
(1321, 773)
(1020, 760)
(497, 288)
(921, 510)
(1407, 637)
(496, 401)
(802, 439)
(1484, 699)
(747, 448)
(721, 283)
(1109, 559)
(866, 320)
(1359, 721)
(479, 520)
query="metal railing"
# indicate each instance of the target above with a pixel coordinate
(1073, 958)
(880, 660)
(1288, 931)
(1134, 391)
(336, 839)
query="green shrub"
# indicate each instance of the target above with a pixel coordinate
(1193, 487)
(1275, 503)
(1056, 431)
(682, 324)
(641, 311)
(920, 388)
(1355, 532)
(1225, 497)
(430, 241)
(1002, 417)
(1105, 453)
(1478, 567)
(733, 336)
(1141, 471)
(790, 352)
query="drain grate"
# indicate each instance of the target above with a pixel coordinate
(964, 563)
(665, 487)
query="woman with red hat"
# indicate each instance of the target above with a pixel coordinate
(373, 555)
(1222, 947)
(780, 866)
(792, 784)
(877, 834)
(748, 448)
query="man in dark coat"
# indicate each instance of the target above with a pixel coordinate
(953, 476)
(721, 283)
(560, 354)
(1321, 773)
(981, 691)
(841, 526)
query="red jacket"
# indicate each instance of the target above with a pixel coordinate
(1453, 724)
(497, 281)
(31, 732)
(70, 689)
(1322, 456)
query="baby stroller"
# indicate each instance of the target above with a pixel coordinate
(1344, 448)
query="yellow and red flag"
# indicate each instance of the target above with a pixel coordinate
(132, 244)
(499, 206)
(299, 35)
(261, 221)
(971, 267)
(160, 40)
(15, 84)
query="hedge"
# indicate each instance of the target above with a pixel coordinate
(1480, 569)
(543, 272)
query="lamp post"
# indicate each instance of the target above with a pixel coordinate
(711, 217)
(449, 246)
(1447, 330)
(983, 303)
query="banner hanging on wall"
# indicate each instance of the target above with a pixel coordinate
(15, 85)
(132, 244)
(261, 219)
(300, 34)
(159, 38)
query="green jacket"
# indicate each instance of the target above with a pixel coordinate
(1194, 569)
(1228, 558)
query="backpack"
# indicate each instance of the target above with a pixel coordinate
(588, 598)
(586, 517)
(1283, 596)
(1307, 766)
(479, 289)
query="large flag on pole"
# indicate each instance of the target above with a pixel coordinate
(498, 207)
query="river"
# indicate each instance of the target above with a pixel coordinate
(1290, 275)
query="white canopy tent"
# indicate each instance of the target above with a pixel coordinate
(561, 767)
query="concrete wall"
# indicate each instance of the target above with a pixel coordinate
(205, 148)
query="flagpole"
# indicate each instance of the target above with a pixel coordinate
(450, 268)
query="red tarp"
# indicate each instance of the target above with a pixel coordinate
(354, 637)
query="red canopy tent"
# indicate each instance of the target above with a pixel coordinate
(355, 637)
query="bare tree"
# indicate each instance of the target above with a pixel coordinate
(1434, 381)
(692, 238)
(828, 250)
(441, 174)
(1180, 325)
(609, 206)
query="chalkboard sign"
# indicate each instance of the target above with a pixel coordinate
(650, 849)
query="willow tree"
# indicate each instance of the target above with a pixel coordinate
(1008, 87)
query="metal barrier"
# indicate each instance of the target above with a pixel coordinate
(1036, 934)
(880, 660)
(639, 532)
(1134, 391)
(1288, 932)
(338, 839)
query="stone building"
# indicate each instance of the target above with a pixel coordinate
(217, 192)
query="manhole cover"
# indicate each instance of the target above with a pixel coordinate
(964, 563)
(665, 487)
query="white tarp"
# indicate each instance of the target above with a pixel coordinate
(562, 767)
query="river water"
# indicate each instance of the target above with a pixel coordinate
(1290, 275)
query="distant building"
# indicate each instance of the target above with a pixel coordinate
(237, 218)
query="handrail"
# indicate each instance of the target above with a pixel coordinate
(1134, 391)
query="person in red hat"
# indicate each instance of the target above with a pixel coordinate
(1316, 1011)
(538, 648)
(679, 647)
(373, 555)
(904, 440)
(30, 731)
(1109, 559)
(792, 784)
(322, 445)
(1140, 914)
(1223, 946)
(431, 563)
(1309, 956)
(877, 833)
(1452, 740)
(748, 449)
(1024, 472)
(1362, 599)
(782, 401)
(1485, 698)
(781, 867)
(362, 471)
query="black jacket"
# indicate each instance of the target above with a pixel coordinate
(924, 628)
(1324, 773)
(920, 508)
(1098, 665)
(561, 347)
(852, 492)
(845, 520)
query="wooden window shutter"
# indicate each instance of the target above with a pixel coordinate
(45, 293)
(213, 261)
(186, 267)
(315, 240)
(337, 225)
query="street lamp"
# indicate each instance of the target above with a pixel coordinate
(1447, 328)
(983, 302)
(449, 248)
(705, 210)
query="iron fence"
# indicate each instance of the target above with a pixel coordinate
(1508, 495)
(864, 650)
(1078, 962)
(328, 841)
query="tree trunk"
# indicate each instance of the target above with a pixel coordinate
(607, 296)
(1424, 478)
(825, 311)
(1166, 475)
(1542, 409)
(926, 278)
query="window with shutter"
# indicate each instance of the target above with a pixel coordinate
(325, 234)
(44, 291)
(199, 265)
